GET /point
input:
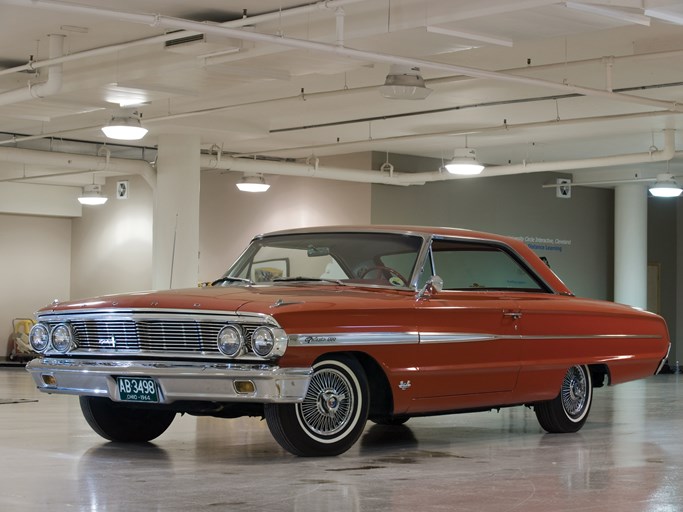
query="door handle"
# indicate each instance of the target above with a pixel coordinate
(515, 315)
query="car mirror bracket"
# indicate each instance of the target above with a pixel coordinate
(431, 287)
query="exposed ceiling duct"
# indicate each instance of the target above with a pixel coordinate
(420, 178)
(40, 90)
(159, 20)
(330, 56)
(70, 163)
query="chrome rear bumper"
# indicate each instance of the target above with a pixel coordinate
(663, 361)
(209, 382)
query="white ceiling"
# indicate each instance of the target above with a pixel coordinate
(245, 96)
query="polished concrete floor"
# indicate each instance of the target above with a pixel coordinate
(628, 457)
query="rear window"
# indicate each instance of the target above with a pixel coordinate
(468, 266)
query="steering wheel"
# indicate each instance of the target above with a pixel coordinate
(392, 274)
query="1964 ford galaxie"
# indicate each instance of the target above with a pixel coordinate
(320, 329)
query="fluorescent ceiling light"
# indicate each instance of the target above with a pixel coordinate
(252, 184)
(464, 163)
(404, 83)
(472, 36)
(610, 12)
(669, 16)
(92, 196)
(125, 126)
(665, 186)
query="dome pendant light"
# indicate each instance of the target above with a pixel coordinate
(404, 83)
(92, 196)
(464, 162)
(665, 186)
(125, 126)
(252, 184)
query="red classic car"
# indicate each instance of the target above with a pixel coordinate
(320, 329)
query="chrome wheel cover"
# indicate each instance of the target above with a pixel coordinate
(574, 393)
(329, 403)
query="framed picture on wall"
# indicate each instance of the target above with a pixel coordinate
(269, 270)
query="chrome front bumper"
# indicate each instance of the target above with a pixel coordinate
(208, 382)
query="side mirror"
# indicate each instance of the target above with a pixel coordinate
(431, 287)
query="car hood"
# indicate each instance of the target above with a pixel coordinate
(270, 300)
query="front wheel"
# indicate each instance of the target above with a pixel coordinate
(332, 415)
(569, 410)
(118, 422)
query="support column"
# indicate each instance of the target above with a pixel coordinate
(630, 245)
(175, 252)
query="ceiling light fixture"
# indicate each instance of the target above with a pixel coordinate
(125, 126)
(92, 196)
(404, 83)
(252, 184)
(464, 162)
(665, 186)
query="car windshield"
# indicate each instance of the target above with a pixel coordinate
(376, 259)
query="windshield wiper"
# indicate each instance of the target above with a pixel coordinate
(302, 279)
(230, 279)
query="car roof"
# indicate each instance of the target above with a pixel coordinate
(517, 244)
(407, 229)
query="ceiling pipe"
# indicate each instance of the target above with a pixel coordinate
(230, 163)
(506, 127)
(158, 20)
(115, 48)
(303, 170)
(309, 95)
(73, 163)
(51, 86)
(665, 154)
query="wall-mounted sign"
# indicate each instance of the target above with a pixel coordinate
(122, 189)
(539, 243)
(564, 188)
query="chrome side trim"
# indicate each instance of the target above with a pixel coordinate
(403, 338)
(209, 382)
(593, 336)
(359, 338)
(459, 337)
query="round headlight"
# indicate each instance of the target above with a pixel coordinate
(39, 338)
(62, 338)
(230, 340)
(262, 341)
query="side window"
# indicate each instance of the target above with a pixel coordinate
(470, 265)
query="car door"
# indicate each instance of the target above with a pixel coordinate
(469, 340)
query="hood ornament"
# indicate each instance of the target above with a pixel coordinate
(282, 302)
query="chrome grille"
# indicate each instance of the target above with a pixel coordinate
(152, 335)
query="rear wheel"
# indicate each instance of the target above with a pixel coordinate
(118, 422)
(569, 410)
(332, 415)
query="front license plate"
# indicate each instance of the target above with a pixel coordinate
(137, 389)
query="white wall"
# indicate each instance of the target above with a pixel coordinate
(112, 243)
(230, 218)
(109, 248)
(35, 255)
